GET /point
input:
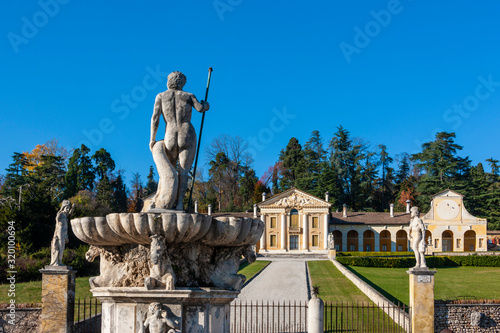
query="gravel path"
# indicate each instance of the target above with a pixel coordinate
(281, 280)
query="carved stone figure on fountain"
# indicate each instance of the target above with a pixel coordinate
(161, 274)
(156, 323)
(60, 238)
(179, 146)
(417, 236)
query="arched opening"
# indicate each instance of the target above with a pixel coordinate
(428, 238)
(352, 240)
(368, 241)
(447, 241)
(385, 241)
(294, 218)
(337, 238)
(401, 241)
(470, 241)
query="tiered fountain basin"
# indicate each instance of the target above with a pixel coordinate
(176, 227)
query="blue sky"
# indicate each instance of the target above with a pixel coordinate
(391, 72)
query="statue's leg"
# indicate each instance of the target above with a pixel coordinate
(167, 185)
(186, 158)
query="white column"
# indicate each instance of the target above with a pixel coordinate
(263, 245)
(283, 231)
(393, 241)
(326, 230)
(344, 241)
(360, 241)
(377, 241)
(305, 233)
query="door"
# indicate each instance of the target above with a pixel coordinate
(294, 242)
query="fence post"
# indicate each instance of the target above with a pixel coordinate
(315, 315)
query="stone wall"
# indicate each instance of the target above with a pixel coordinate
(26, 320)
(92, 324)
(475, 317)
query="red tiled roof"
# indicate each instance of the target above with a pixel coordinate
(370, 218)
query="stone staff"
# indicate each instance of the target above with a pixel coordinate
(199, 142)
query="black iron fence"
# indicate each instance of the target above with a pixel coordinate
(366, 317)
(87, 315)
(268, 317)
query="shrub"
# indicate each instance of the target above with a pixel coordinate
(434, 261)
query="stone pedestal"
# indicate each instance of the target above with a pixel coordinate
(200, 310)
(422, 300)
(58, 299)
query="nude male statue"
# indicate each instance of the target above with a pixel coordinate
(175, 105)
(156, 323)
(417, 234)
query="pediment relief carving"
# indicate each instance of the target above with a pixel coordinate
(296, 200)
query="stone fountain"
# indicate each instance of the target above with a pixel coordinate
(165, 270)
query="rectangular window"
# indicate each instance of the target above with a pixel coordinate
(315, 222)
(272, 241)
(273, 223)
(368, 248)
(315, 241)
(384, 248)
(352, 247)
(400, 248)
(337, 247)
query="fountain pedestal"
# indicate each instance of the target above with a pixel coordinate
(203, 310)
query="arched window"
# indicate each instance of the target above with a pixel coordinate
(385, 241)
(447, 241)
(352, 240)
(401, 241)
(337, 238)
(470, 240)
(294, 218)
(368, 241)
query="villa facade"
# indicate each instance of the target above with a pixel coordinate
(299, 222)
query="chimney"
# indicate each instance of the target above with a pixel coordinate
(344, 211)
(209, 209)
(327, 196)
(263, 196)
(255, 211)
(408, 202)
(391, 209)
(196, 206)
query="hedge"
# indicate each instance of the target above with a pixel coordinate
(407, 262)
(374, 254)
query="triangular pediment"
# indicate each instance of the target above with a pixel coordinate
(447, 193)
(293, 198)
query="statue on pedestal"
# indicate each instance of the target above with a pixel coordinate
(178, 149)
(331, 242)
(60, 238)
(417, 235)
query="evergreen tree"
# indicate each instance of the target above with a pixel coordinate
(152, 184)
(80, 174)
(119, 200)
(314, 156)
(294, 166)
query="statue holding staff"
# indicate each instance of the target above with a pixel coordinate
(174, 155)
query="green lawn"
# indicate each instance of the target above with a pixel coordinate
(250, 270)
(450, 282)
(332, 284)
